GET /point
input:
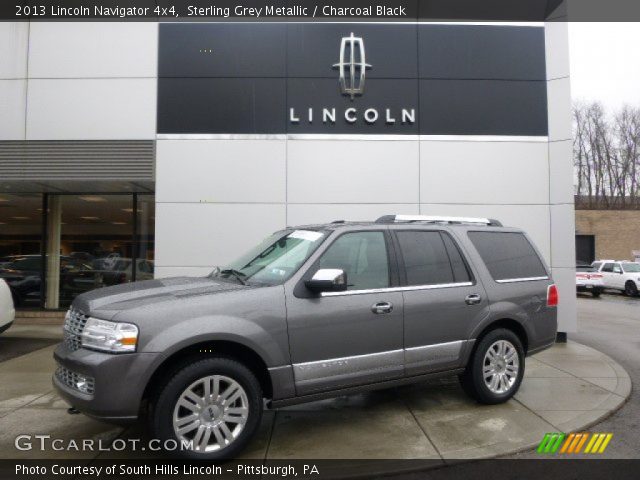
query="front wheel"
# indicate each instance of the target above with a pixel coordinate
(211, 408)
(630, 289)
(496, 368)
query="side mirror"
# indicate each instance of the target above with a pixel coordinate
(327, 280)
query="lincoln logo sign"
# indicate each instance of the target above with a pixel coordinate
(352, 58)
(352, 68)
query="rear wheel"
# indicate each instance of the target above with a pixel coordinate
(596, 292)
(630, 289)
(496, 368)
(213, 405)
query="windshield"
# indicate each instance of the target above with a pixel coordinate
(631, 267)
(274, 260)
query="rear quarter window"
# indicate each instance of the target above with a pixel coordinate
(507, 255)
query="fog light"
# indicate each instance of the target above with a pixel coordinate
(83, 384)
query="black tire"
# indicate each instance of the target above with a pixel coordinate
(630, 289)
(162, 411)
(596, 293)
(472, 379)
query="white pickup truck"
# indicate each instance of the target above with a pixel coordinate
(620, 275)
(7, 311)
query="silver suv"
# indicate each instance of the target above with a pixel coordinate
(312, 312)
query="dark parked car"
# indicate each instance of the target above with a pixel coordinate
(312, 312)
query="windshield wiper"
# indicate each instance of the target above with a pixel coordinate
(236, 273)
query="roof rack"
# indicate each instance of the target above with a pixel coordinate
(438, 219)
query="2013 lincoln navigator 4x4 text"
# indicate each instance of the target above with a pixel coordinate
(312, 312)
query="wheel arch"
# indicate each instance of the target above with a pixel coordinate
(506, 323)
(209, 348)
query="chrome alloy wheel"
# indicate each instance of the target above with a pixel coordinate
(211, 413)
(500, 366)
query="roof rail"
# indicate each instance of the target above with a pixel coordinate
(438, 219)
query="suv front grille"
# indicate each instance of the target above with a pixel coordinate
(73, 326)
(76, 381)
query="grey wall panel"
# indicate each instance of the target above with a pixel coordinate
(222, 50)
(483, 107)
(481, 52)
(221, 105)
(77, 160)
(313, 49)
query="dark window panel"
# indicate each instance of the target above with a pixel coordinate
(508, 255)
(483, 107)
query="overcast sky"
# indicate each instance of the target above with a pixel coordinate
(605, 62)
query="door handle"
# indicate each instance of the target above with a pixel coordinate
(473, 299)
(382, 307)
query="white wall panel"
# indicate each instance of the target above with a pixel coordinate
(561, 172)
(484, 172)
(300, 214)
(14, 41)
(91, 109)
(93, 49)
(12, 109)
(341, 171)
(557, 49)
(559, 101)
(565, 279)
(221, 171)
(205, 235)
(534, 219)
(563, 231)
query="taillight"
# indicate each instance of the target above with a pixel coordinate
(596, 275)
(552, 296)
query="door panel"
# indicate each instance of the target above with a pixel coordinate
(442, 303)
(343, 338)
(438, 323)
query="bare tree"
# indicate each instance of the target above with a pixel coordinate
(606, 153)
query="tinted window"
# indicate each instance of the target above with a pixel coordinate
(608, 267)
(458, 265)
(426, 259)
(363, 256)
(617, 268)
(508, 255)
(596, 265)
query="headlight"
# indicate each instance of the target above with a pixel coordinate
(113, 337)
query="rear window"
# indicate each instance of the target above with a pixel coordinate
(508, 256)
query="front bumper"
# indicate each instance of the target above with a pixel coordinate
(119, 382)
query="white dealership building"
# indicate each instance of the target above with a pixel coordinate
(175, 147)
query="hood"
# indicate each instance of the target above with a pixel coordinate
(107, 302)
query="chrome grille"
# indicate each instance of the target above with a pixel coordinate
(73, 379)
(74, 324)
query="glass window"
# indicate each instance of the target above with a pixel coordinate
(631, 267)
(363, 257)
(426, 259)
(608, 267)
(508, 255)
(596, 265)
(617, 268)
(458, 265)
(21, 233)
(274, 260)
(146, 210)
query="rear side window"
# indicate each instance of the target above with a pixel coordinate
(431, 258)
(508, 256)
(608, 267)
